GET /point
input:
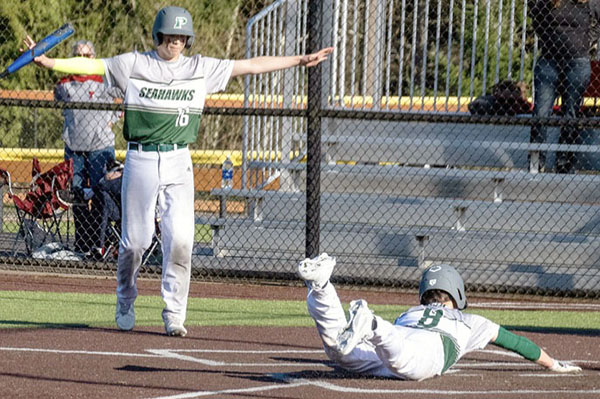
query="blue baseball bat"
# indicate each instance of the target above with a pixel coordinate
(40, 48)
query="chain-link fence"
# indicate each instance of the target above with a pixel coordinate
(416, 143)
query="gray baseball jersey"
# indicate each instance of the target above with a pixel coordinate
(87, 130)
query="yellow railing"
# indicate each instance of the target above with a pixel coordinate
(201, 157)
(236, 100)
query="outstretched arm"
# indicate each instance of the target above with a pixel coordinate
(75, 65)
(257, 65)
(530, 351)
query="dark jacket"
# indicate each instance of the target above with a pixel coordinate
(507, 98)
(568, 31)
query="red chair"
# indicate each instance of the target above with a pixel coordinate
(39, 211)
(593, 91)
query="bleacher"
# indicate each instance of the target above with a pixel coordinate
(398, 196)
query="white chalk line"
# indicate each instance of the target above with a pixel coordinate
(298, 382)
(536, 305)
(177, 354)
(258, 352)
(337, 388)
(199, 394)
(553, 375)
(77, 352)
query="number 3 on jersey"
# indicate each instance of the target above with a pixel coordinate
(183, 118)
(431, 318)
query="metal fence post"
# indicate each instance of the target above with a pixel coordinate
(313, 164)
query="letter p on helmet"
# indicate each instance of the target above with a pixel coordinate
(180, 22)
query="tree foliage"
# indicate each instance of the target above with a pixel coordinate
(118, 26)
(115, 27)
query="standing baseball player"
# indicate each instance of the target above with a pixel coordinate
(423, 342)
(164, 98)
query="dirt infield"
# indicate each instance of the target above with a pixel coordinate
(226, 362)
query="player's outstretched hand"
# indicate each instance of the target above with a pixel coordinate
(313, 59)
(560, 366)
(41, 60)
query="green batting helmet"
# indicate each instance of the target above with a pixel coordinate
(446, 278)
(173, 21)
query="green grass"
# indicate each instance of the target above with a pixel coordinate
(50, 309)
(203, 233)
(13, 227)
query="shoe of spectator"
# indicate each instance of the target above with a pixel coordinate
(114, 170)
(564, 168)
(125, 316)
(97, 253)
(113, 166)
(70, 197)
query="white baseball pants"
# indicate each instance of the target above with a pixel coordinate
(393, 351)
(163, 181)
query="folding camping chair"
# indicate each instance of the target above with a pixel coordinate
(39, 212)
(107, 197)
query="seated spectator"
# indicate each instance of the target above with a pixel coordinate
(105, 200)
(507, 98)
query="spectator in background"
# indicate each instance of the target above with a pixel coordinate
(566, 31)
(507, 98)
(89, 141)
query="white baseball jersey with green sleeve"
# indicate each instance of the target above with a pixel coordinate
(423, 342)
(460, 332)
